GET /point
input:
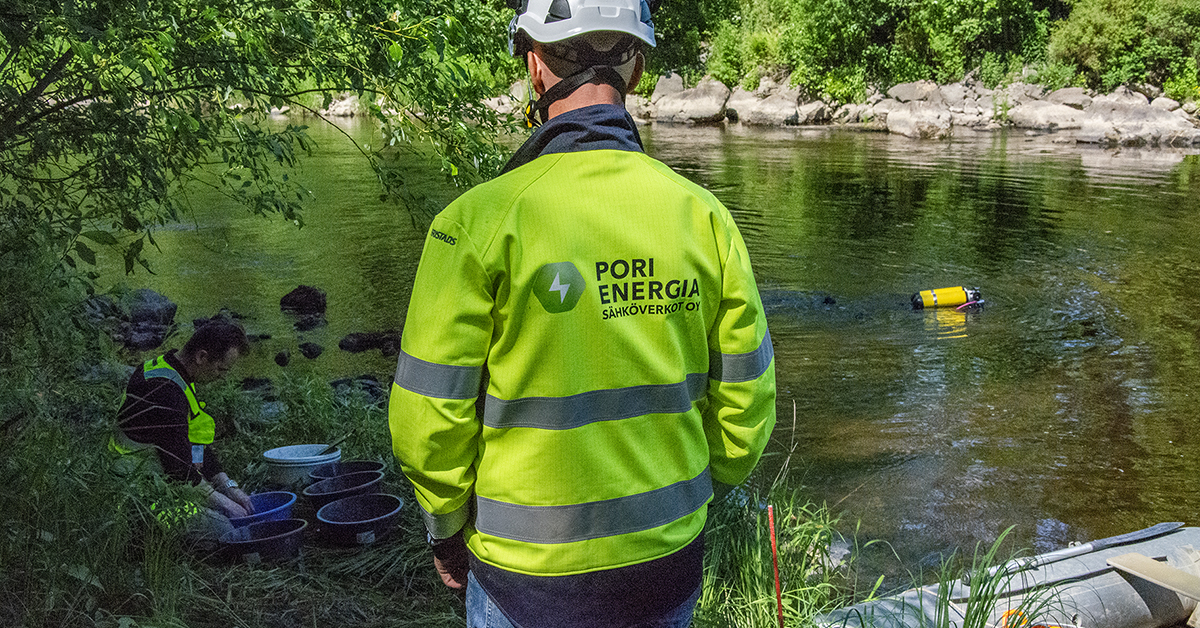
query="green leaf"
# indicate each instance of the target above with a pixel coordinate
(396, 52)
(100, 237)
(86, 254)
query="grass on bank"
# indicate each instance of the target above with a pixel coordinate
(81, 548)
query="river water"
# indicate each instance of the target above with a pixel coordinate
(1066, 407)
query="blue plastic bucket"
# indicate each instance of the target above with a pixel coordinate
(271, 506)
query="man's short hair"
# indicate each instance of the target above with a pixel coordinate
(217, 337)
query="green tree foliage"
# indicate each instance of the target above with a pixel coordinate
(681, 29)
(1114, 42)
(111, 110)
(839, 47)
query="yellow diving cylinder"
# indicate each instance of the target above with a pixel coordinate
(946, 297)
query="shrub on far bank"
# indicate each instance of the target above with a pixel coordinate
(1118, 42)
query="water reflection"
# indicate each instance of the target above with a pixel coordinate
(1058, 409)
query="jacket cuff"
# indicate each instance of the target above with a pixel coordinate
(445, 526)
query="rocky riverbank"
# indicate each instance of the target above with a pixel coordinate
(928, 111)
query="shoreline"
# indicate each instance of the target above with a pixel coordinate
(924, 110)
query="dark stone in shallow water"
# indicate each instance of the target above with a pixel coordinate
(304, 300)
(369, 385)
(310, 322)
(148, 306)
(388, 342)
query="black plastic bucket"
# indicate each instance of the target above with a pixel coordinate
(348, 485)
(358, 520)
(334, 469)
(266, 541)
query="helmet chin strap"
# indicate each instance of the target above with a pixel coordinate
(540, 108)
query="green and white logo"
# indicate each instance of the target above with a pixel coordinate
(558, 286)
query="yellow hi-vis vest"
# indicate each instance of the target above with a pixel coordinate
(611, 304)
(202, 428)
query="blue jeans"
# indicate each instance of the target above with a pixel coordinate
(482, 612)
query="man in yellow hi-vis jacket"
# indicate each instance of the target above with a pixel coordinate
(585, 355)
(160, 413)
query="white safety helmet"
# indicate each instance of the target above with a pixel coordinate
(550, 21)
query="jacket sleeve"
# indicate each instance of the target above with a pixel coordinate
(740, 413)
(431, 411)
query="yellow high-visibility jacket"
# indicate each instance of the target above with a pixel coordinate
(610, 307)
(201, 427)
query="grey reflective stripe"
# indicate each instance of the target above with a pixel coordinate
(445, 526)
(741, 367)
(593, 520)
(441, 381)
(168, 373)
(564, 413)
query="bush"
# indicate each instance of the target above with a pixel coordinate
(1116, 42)
(726, 61)
(1056, 75)
(1185, 84)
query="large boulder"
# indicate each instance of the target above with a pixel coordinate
(1018, 94)
(778, 109)
(816, 112)
(1045, 116)
(151, 319)
(919, 120)
(852, 113)
(704, 103)
(927, 91)
(1113, 122)
(1162, 102)
(668, 85)
(639, 108)
(881, 109)
(1073, 97)
(1122, 96)
(147, 306)
(344, 107)
(740, 103)
(956, 96)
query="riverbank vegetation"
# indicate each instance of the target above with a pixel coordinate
(843, 49)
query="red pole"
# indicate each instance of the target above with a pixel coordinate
(775, 563)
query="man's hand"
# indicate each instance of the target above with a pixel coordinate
(222, 484)
(241, 498)
(450, 560)
(225, 506)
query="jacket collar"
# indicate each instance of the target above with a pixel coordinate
(595, 127)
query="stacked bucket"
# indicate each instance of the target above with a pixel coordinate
(350, 510)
